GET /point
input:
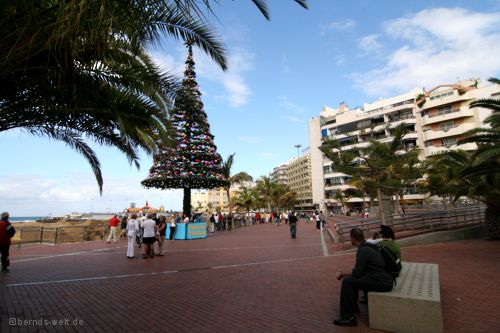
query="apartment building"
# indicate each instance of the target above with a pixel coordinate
(214, 199)
(355, 128)
(436, 120)
(299, 180)
(279, 173)
(444, 115)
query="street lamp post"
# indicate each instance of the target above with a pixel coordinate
(298, 147)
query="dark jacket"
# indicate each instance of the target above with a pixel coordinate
(369, 262)
(7, 231)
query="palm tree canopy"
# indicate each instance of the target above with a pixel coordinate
(240, 178)
(76, 70)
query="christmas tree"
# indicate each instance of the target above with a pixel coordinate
(191, 161)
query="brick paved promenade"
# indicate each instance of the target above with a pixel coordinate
(254, 279)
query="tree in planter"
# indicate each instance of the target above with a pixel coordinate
(191, 160)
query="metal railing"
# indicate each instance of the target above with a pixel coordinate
(416, 223)
(57, 235)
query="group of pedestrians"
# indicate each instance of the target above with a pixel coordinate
(148, 230)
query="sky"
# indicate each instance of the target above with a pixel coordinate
(281, 74)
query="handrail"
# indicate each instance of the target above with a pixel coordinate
(416, 223)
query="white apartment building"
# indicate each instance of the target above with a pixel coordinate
(279, 173)
(436, 120)
(444, 115)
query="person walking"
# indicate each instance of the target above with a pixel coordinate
(292, 222)
(7, 231)
(318, 220)
(368, 274)
(173, 226)
(123, 226)
(149, 236)
(161, 231)
(132, 230)
(113, 224)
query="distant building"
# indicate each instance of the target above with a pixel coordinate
(214, 199)
(279, 173)
(298, 175)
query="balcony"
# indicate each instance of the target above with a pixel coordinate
(394, 124)
(342, 187)
(411, 135)
(401, 107)
(456, 113)
(455, 97)
(431, 135)
(434, 150)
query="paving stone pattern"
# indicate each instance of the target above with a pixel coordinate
(253, 279)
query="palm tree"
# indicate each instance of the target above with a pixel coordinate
(76, 70)
(483, 170)
(340, 197)
(238, 178)
(265, 187)
(456, 174)
(245, 199)
(443, 173)
(79, 70)
(381, 165)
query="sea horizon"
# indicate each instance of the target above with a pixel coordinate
(25, 218)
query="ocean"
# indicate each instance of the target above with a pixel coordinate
(24, 218)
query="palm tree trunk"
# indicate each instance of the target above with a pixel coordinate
(397, 203)
(229, 207)
(492, 221)
(380, 206)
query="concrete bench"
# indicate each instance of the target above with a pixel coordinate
(414, 305)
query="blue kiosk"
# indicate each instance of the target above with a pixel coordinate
(197, 230)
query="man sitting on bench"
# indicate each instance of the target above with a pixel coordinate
(368, 274)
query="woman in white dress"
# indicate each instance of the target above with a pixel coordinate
(132, 232)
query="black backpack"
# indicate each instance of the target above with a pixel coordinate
(392, 262)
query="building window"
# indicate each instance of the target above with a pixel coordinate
(448, 142)
(447, 126)
(444, 110)
(443, 95)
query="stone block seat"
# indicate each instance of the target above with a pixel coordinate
(414, 304)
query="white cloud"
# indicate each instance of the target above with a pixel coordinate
(293, 119)
(233, 80)
(370, 44)
(439, 46)
(249, 139)
(240, 61)
(340, 60)
(341, 25)
(286, 103)
(29, 195)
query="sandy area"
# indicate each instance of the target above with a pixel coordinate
(60, 231)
